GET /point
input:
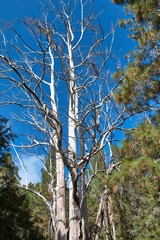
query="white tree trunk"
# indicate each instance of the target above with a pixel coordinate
(99, 219)
(61, 211)
(82, 191)
(74, 211)
(60, 170)
(110, 213)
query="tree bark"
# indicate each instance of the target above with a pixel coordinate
(110, 213)
(60, 170)
(61, 212)
(82, 191)
(74, 213)
(74, 210)
(105, 217)
(99, 219)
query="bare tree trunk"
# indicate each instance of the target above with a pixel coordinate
(102, 216)
(52, 220)
(74, 204)
(83, 209)
(110, 208)
(61, 212)
(74, 213)
(83, 197)
(74, 210)
(60, 170)
(99, 219)
(110, 212)
(105, 217)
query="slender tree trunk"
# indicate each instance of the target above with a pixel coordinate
(84, 211)
(74, 214)
(61, 212)
(74, 210)
(52, 224)
(99, 219)
(83, 197)
(110, 213)
(105, 216)
(60, 170)
(110, 208)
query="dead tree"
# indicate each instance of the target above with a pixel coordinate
(58, 76)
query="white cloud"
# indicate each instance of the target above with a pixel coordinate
(33, 166)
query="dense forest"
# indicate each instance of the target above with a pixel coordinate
(100, 177)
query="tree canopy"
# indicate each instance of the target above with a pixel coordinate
(135, 186)
(142, 85)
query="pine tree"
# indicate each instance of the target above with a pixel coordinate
(16, 219)
(135, 187)
(142, 84)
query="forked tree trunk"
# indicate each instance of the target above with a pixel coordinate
(102, 216)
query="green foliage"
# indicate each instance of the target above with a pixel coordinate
(46, 179)
(16, 219)
(141, 84)
(39, 209)
(136, 195)
(144, 141)
(40, 212)
(5, 136)
(135, 187)
(97, 187)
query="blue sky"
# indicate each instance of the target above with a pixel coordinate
(33, 167)
(19, 9)
(10, 10)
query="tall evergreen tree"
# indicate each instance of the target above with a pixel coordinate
(142, 75)
(135, 187)
(16, 219)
